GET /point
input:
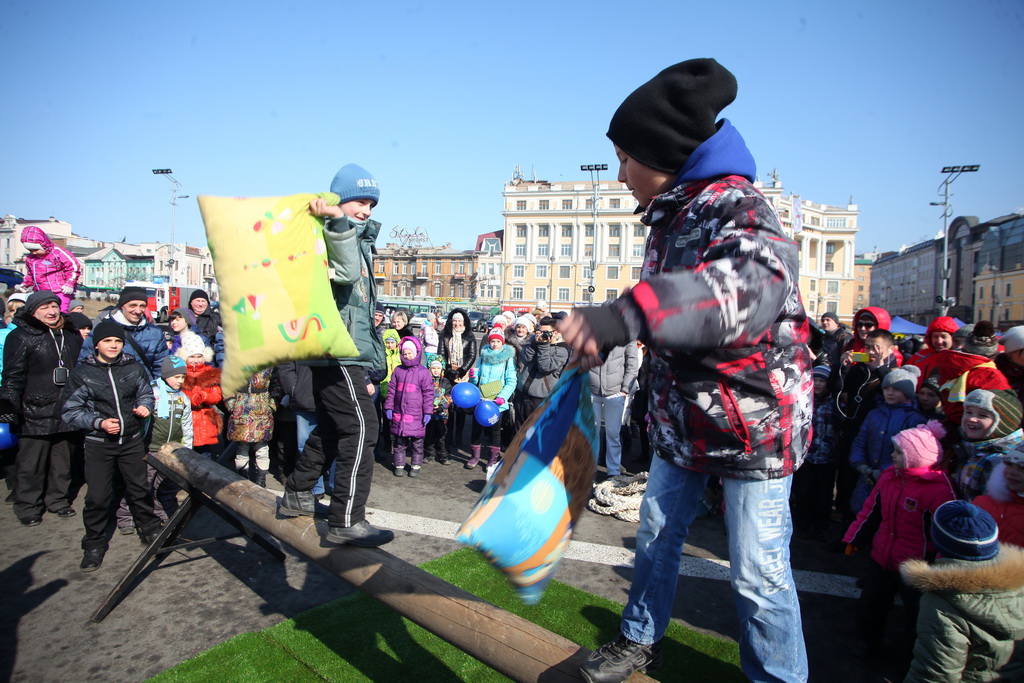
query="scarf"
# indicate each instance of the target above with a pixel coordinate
(455, 350)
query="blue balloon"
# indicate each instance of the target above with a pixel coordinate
(465, 395)
(7, 439)
(487, 413)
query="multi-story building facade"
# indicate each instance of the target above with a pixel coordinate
(555, 250)
(826, 235)
(416, 271)
(568, 243)
(488, 269)
(904, 282)
(999, 271)
(862, 272)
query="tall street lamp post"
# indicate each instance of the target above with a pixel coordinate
(595, 180)
(172, 261)
(952, 173)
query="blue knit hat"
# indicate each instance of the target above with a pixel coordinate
(965, 532)
(355, 182)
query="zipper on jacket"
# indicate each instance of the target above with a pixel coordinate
(735, 417)
(117, 402)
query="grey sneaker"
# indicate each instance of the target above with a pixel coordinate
(297, 503)
(616, 661)
(362, 534)
(414, 471)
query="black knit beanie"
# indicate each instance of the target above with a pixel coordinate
(107, 328)
(663, 121)
(198, 294)
(37, 299)
(131, 294)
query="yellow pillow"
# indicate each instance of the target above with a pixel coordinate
(275, 293)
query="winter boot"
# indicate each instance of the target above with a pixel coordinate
(442, 454)
(261, 478)
(475, 459)
(243, 472)
(492, 460)
(297, 503)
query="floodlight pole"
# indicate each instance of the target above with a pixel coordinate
(952, 173)
(595, 180)
(172, 261)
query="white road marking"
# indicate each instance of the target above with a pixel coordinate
(698, 567)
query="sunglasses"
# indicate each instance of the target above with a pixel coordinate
(866, 324)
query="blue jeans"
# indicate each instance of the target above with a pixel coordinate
(759, 527)
(305, 423)
(611, 408)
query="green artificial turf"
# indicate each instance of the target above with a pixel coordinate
(357, 638)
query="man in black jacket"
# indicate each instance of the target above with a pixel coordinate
(38, 355)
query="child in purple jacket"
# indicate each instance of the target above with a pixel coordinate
(409, 406)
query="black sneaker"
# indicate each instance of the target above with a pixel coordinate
(92, 560)
(618, 660)
(32, 521)
(297, 503)
(65, 513)
(362, 534)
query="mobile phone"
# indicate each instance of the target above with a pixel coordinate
(860, 357)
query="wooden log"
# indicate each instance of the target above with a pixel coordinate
(507, 643)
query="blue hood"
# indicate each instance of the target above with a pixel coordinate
(724, 153)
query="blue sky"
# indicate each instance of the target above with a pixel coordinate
(441, 100)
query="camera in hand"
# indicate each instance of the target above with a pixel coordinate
(545, 336)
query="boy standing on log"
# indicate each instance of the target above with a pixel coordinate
(730, 394)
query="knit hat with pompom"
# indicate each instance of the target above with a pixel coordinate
(920, 444)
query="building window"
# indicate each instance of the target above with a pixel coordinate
(520, 231)
(614, 203)
(613, 272)
(832, 306)
(542, 231)
(832, 286)
(394, 289)
(830, 248)
(565, 272)
(611, 294)
(520, 250)
(638, 250)
(405, 268)
(613, 251)
(394, 268)
(588, 251)
(540, 271)
(588, 230)
(860, 278)
(586, 296)
(451, 291)
(437, 289)
(517, 293)
(563, 293)
(545, 205)
(614, 230)
(540, 293)
(860, 288)
(521, 205)
(830, 267)
(566, 230)
(1008, 289)
(835, 222)
(542, 250)
(590, 203)
(566, 204)
(635, 272)
(993, 291)
(518, 271)
(814, 285)
(639, 231)
(566, 250)
(587, 273)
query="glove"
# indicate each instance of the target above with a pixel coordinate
(499, 401)
(472, 373)
(389, 414)
(67, 289)
(426, 419)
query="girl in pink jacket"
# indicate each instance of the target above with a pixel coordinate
(49, 267)
(896, 520)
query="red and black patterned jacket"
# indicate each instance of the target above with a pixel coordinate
(718, 304)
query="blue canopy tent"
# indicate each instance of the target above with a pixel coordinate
(900, 325)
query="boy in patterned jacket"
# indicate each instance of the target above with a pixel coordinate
(730, 395)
